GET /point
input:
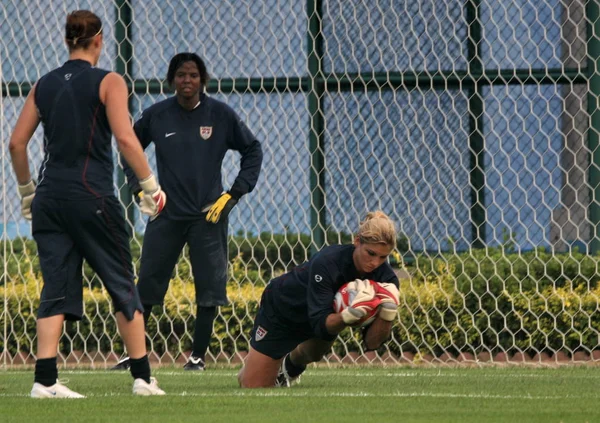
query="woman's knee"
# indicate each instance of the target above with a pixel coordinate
(248, 382)
(258, 371)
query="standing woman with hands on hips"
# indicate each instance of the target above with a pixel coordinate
(192, 132)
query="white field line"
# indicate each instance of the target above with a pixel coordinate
(337, 373)
(292, 394)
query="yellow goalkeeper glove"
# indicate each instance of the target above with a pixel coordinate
(221, 208)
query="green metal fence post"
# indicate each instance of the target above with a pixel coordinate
(476, 140)
(592, 11)
(316, 88)
(124, 62)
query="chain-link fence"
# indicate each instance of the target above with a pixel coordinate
(474, 124)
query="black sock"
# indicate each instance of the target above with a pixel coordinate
(140, 368)
(46, 371)
(147, 313)
(203, 330)
(292, 369)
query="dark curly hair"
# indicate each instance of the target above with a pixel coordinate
(179, 59)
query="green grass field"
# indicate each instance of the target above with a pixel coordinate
(352, 394)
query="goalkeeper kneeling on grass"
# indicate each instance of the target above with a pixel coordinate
(296, 323)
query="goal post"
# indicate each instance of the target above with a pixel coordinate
(474, 125)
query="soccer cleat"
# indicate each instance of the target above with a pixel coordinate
(194, 363)
(143, 388)
(58, 390)
(284, 380)
(124, 364)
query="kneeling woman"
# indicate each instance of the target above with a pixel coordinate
(296, 324)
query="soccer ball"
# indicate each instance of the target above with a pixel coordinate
(344, 297)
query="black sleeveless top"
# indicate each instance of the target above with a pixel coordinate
(78, 158)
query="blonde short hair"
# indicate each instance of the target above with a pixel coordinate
(377, 228)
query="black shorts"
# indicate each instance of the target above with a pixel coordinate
(272, 335)
(68, 231)
(163, 242)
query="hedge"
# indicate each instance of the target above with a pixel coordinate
(494, 300)
(262, 256)
(509, 304)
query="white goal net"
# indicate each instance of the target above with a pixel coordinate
(473, 124)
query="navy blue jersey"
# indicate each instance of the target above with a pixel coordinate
(190, 148)
(78, 160)
(304, 296)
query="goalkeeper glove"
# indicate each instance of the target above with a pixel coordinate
(390, 299)
(27, 192)
(221, 208)
(153, 198)
(363, 303)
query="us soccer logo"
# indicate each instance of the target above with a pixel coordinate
(205, 132)
(260, 333)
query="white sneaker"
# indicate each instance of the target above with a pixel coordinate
(58, 390)
(284, 380)
(141, 387)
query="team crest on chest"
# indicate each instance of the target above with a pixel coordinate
(205, 132)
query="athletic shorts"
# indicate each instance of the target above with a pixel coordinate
(163, 243)
(272, 335)
(68, 231)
